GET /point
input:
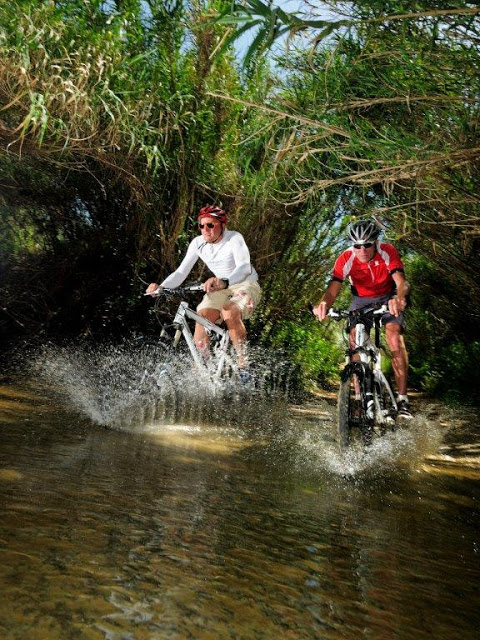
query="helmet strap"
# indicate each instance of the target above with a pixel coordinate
(220, 235)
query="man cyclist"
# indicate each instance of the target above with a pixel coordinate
(376, 274)
(232, 293)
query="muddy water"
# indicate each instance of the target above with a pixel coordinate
(244, 529)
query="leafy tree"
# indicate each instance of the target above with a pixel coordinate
(106, 137)
(118, 119)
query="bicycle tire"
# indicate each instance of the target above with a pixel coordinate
(352, 420)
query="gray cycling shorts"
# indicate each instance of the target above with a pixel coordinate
(359, 303)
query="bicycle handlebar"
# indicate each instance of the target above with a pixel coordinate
(375, 310)
(192, 288)
(338, 314)
(177, 291)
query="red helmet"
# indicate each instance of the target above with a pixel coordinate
(213, 211)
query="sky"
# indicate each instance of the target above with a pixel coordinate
(290, 6)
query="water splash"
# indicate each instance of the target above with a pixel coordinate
(130, 385)
(403, 448)
(144, 387)
(100, 382)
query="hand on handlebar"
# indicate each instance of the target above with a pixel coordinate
(213, 284)
(320, 311)
(396, 305)
(153, 289)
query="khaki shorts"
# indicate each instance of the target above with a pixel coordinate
(246, 295)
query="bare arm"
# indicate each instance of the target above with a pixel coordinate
(327, 299)
(399, 301)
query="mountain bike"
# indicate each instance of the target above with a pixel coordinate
(220, 366)
(366, 402)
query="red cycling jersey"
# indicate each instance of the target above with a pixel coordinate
(373, 278)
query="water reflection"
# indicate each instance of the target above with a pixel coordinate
(195, 531)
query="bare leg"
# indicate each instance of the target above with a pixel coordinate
(238, 334)
(396, 344)
(200, 337)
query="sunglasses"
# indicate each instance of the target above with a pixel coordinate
(367, 245)
(210, 225)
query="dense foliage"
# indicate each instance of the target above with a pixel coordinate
(118, 119)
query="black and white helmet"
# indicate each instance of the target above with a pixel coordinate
(363, 231)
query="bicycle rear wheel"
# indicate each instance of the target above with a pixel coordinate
(353, 425)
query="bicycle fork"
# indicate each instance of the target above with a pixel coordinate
(179, 323)
(362, 342)
(369, 401)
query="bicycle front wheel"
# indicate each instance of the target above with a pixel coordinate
(352, 421)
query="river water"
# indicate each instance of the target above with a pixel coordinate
(249, 525)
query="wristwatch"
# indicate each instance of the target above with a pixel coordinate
(225, 280)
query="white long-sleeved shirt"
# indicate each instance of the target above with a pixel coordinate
(229, 259)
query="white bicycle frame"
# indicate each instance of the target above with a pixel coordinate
(221, 348)
(215, 365)
(369, 354)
